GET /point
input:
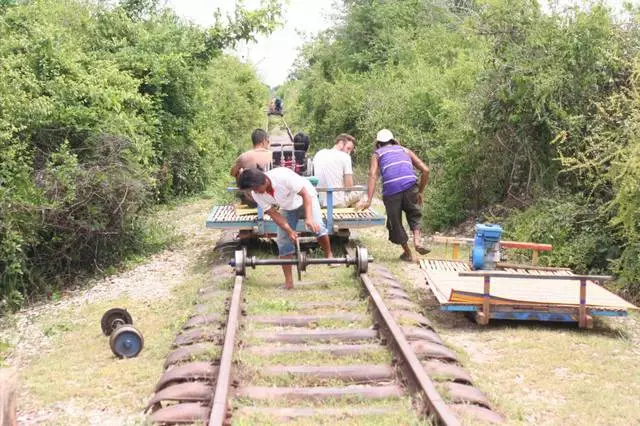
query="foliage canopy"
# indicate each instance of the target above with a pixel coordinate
(509, 102)
(106, 110)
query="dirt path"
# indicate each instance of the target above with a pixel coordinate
(42, 333)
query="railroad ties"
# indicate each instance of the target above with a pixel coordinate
(261, 355)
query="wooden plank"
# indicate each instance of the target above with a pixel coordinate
(303, 320)
(288, 414)
(320, 393)
(347, 373)
(341, 335)
(524, 289)
(525, 246)
(503, 274)
(335, 350)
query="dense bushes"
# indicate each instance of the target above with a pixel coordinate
(104, 111)
(508, 103)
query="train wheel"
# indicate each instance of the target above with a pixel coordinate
(126, 342)
(114, 318)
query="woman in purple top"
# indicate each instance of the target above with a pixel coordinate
(401, 191)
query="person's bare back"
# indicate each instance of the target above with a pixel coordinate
(7, 398)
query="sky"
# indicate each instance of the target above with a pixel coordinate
(273, 56)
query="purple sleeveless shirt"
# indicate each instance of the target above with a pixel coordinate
(396, 170)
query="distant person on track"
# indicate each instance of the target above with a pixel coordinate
(401, 191)
(259, 157)
(333, 168)
(296, 199)
(279, 105)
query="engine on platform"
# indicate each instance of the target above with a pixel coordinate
(485, 253)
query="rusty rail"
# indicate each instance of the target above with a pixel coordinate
(415, 371)
(412, 369)
(221, 394)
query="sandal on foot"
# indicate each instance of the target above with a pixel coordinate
(406, 257)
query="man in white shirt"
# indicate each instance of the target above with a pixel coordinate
(297, 199)
(333, 169)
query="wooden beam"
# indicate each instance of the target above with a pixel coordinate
(526, 246)
(534, 257)
(535, 267)
(456, 251)
(504, 274)
(582, 316)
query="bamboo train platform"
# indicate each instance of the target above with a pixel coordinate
(520, 292)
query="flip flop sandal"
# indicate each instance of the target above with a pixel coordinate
(406, 258)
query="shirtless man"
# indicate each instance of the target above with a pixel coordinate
(296, 199)
(259, 157)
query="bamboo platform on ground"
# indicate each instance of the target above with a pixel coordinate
(549, 294)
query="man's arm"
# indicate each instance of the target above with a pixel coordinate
(424, 177)
(236, 169)
(347, 172)
(308, 213)
(373, 177)
(279, 220)
(424, 169)
(348, 181)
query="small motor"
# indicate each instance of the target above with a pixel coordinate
(486, 246)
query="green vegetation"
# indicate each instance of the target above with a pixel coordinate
(514, 105)
(105, 110)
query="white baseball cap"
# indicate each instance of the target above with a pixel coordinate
(384, 135)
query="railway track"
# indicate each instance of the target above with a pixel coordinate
(340, 349)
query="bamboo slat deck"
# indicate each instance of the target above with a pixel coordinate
(449, 288)
(227, 216)
(247, 211)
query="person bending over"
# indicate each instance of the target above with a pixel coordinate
(401, 191)
(296, 199)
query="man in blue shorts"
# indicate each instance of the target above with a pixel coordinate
(296, 199)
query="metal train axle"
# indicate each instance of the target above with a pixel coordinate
(241, 261)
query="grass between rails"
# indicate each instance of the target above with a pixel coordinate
(535, 372)
(264, 297)
(378, 356)
(402, 412)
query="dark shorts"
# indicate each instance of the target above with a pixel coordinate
(407, 202)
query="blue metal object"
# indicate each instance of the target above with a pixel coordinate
(126, 342)
(486, 246)
(533, 314)
(330, 209)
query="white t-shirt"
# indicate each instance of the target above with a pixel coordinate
(286, 185)
(330, 166)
